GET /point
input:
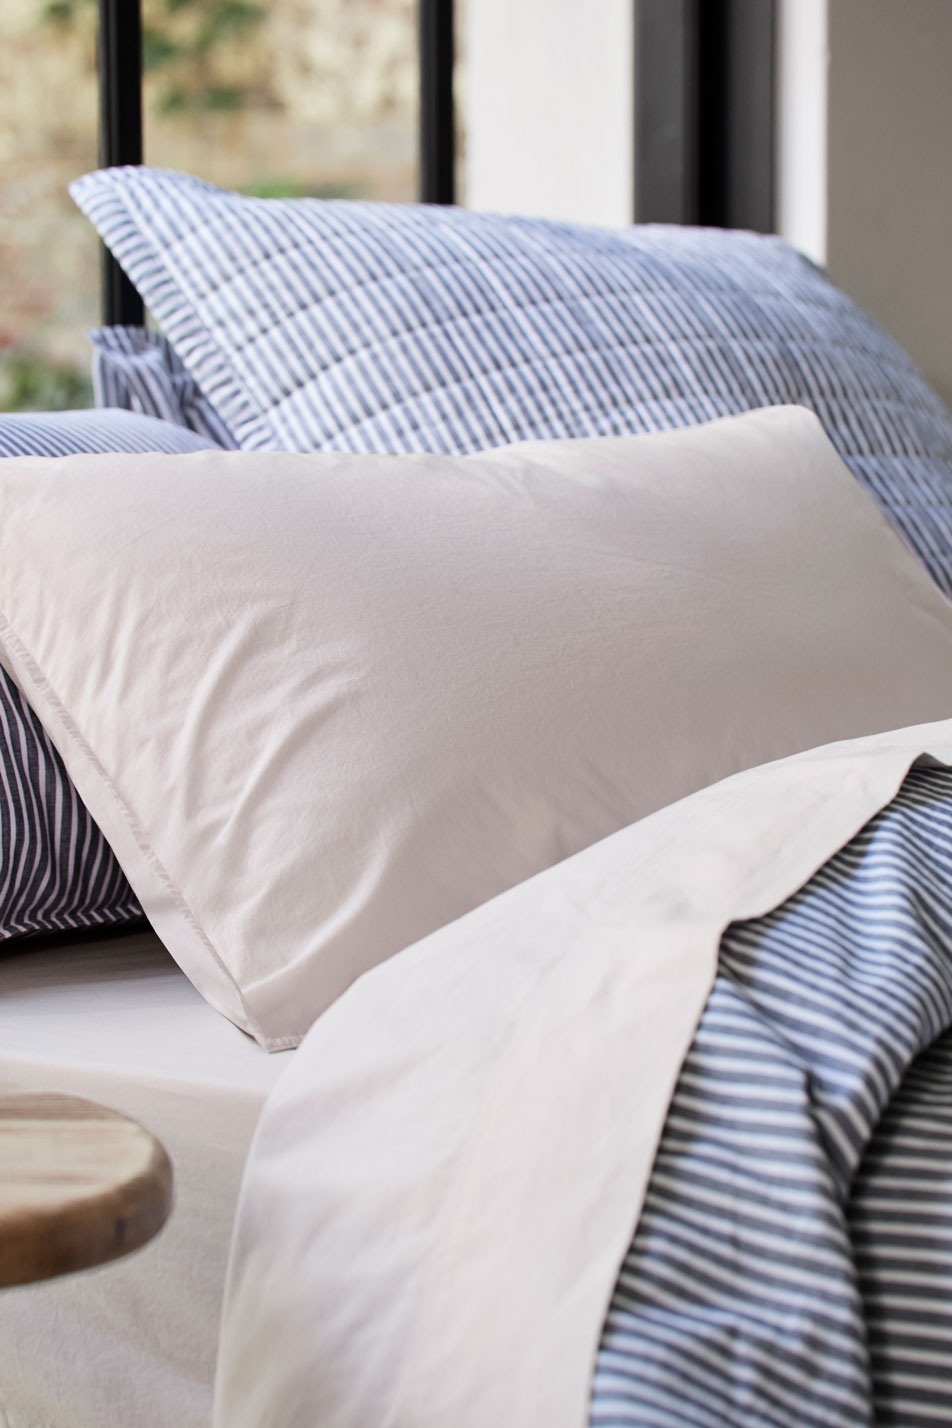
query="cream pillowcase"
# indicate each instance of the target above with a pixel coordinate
(322, 704)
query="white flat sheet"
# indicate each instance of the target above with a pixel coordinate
(444, 1184)
(130, 1345)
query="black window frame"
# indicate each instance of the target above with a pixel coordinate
(120, 119)
(705, 112)
(120, 133)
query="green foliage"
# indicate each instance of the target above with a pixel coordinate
(32, 384)
(157, 49)
(213, 99)
(189, 44)
(292, 188)
(65, 12)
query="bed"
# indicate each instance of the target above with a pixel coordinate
(467, 1200)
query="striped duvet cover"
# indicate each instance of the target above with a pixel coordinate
(793, 1262)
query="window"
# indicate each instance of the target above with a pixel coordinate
(271, 97)
(49, 257)
(283, 99)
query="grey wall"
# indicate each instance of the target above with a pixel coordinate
(889, 170)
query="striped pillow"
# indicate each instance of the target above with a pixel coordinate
(67, 433)
(317, 324)
(139, 371)
(56, 870)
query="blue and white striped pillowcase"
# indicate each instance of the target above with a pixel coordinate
(57, 871)
(137, 370)
(71, 433)
(314, 324)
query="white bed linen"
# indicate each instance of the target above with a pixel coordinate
(445, 1183)
(130, 1345)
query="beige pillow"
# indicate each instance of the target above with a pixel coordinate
(322, 704)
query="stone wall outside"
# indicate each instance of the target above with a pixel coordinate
(327, 104)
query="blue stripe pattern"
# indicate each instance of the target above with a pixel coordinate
(783, 1215)
(57, 873)
(901, 1224)
(70, 433)
(139, 371)
(314, 324)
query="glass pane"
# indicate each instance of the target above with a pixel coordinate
(49, 255)
(284, 98)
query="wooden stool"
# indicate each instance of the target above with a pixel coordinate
(79, 1185)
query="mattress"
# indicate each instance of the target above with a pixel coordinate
(132, 1344)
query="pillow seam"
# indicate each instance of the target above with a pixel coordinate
(43, 686)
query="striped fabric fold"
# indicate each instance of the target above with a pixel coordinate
(137, 370)
(67, 433)
(793, 1265)
(57, 872)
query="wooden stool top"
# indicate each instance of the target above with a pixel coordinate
(79, 1185)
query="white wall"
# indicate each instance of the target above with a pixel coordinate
(801, 125)
(865, 180)
(548, 108)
